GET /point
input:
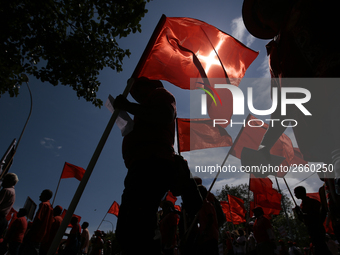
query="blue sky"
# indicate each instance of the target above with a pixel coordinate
(64, 128)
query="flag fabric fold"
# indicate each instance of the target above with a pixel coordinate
(196, 134)
(72, 171)
(114, 209)
(187, 50)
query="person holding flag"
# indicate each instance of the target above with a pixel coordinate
(148, 154)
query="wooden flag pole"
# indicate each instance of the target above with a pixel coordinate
(100, 146)
(55, 194)
(230, 150)
(290, 191)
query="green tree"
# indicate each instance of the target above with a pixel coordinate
(65, 42)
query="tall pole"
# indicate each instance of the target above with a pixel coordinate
(102, 142)
(23, 130)
(284, 208)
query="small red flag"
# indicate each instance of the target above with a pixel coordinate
(269, 200)
(260, 185)
(71, 171)
(235, 207)
(114, 209)
(251, 136)
(170, 197)
(196, 134)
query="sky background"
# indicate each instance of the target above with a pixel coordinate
(63, 128)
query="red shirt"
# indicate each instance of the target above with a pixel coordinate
(42, 222)
(151, 138)
(17, 231)
(260, 228)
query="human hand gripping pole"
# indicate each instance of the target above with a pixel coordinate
(86, 177)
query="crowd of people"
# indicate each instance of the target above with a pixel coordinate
(20, 237)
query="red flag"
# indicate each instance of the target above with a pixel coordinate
(267, 211)
(114, 209)
(63, 215)
(260, 185)
(235, 207)
(196, 134)
(270, 200)
(71, 171)
(170, 197)
(251, 136)
(186, 48)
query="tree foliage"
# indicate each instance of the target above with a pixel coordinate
(65, 42)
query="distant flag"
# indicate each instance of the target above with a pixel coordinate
(251, 136)
(72, 171)
(234, 209)
(196, 134)
(270, 200)
(260, 185)
(186, 48)
(114, 209)
(170, 197)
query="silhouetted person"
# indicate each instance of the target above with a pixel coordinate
(56, 222)
(73, 240)
(168, 227)
(7, 198)
(16, 232)
(263, 233)
(148, 154)
(85, 238)
(310, 214)
(41, 225)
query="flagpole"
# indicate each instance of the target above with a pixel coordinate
(102, 221)
(55, 194)
(284, 207)
(231, 149)
(101, 143)
(289, 191)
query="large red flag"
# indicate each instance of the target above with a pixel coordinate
(114, 209)
(235, 207)
(260, 185)
(71, 171)
(251, 136)
(186, 48)
(196, 134)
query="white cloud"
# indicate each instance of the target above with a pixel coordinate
(51, 144)
(240, 32)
